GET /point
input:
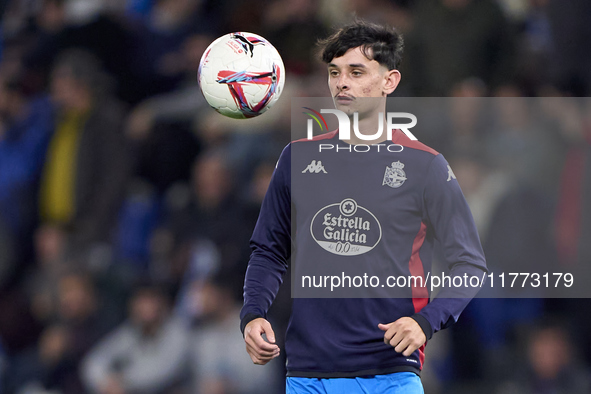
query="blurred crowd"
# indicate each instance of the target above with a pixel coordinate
(126, 203)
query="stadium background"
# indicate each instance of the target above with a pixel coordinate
(174, 188)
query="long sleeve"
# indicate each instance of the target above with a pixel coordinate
(450, 217)
(270, 244)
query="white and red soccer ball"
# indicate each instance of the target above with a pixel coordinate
(241, 75)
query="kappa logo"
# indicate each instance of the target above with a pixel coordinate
(450, 174)
(394, 176)
(314, 167)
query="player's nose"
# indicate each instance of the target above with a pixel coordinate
(342, 83)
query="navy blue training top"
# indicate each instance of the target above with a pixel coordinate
(375, 211)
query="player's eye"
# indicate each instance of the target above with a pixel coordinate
(356, 73)
(334, 73)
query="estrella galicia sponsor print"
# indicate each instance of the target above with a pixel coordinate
(346, 228)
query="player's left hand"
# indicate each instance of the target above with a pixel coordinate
(405, 335)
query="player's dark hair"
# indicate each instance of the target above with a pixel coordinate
(380, 43)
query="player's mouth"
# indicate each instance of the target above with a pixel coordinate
(344, 99)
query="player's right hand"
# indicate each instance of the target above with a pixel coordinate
(259, 350)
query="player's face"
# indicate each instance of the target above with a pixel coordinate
(354, 76)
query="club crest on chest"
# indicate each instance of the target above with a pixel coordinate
(394, 175)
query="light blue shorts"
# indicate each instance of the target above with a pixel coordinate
(394, 383)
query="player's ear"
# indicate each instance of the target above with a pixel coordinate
(391, 80)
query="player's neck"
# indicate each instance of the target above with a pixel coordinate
(368, 126)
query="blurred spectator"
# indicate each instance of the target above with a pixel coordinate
(49, 368)
(51, 264)
(257, 189)
(220, 365)
(212, 209)
(137, 219)
(206, 257)
(521, 143)
(161, 126)
(569, 23)
(573, 214)
(457, 39)
(284, 22)
(80, 310)
(165, 155)
(25, 130)
(159, 129)
(181, 105)
(519, 238)
(392, 12)
(246, 144)
(87, 162)
(482, 186)
(205, 262)
(66, 24)
(510, 207)
(157, 57)
(53, 365)
(467, 110)
(535, 46)
(146, 354)
(18, 328)
(551, 366)
(573, 210)
(237, 15)
(138, 8)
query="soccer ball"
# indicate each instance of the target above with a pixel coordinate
(241, 75)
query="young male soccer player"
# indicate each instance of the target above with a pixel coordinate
(359, 345)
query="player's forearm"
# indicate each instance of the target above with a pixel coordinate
(261, 284)
(445, 309)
